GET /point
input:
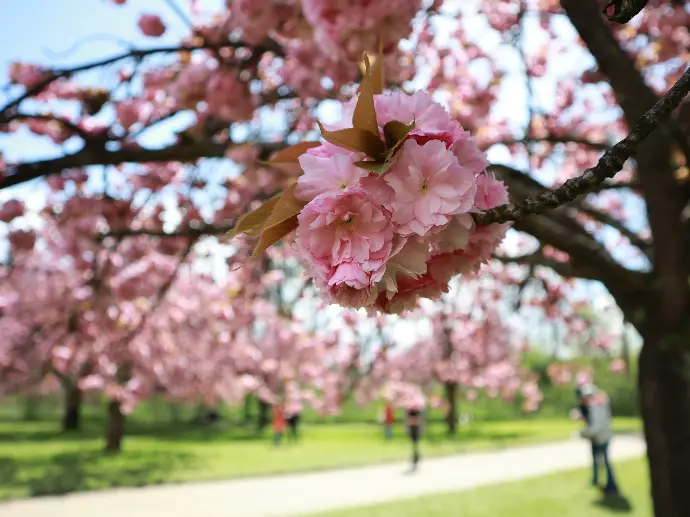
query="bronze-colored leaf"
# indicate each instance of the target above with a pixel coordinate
(356, 140)
(396, 131)
(291, 154)
(286, 206)
(274, 234)
(252, 222)
(377, 167)
(364, 116)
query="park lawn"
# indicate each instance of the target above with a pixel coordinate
(566, 494)
(36, 458)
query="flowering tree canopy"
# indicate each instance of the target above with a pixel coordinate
(530, 93)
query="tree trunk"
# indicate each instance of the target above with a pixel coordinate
(626, 349)
(262, 421)
(71, 420)
(30, 408)
(451, 389)
(247, 410)
(116, 427)
(664, 384)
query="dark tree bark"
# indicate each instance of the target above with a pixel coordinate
(71, 420)
(664, 385)
(451, 391)
(116, 428)
(662, 313)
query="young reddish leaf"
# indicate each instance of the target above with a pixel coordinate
(377, 167)
(395, 132)
(354, 139)
(274, 234)
(252, 222)
(292, 153)
(364, 116)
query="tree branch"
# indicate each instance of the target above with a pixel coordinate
(208, 229)
(6, 111)
(643, 244)
(54, 118)
(609, 164)
(565, 269)
(185, 153)
(552, 139)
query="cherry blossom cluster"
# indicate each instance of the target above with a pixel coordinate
(382, 239)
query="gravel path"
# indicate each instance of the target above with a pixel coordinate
(301, 494)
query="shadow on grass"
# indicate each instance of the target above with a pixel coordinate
(182, 432)
(617, 503)
(90, 470)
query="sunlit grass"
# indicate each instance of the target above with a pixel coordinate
(565, 494)
(37, 458)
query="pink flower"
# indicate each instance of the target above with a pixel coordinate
(430, 187)
(407, 261)
(256, 18)
(432, 121)
(131, 111)
(190, 86)
(22, 240)
(327, 174)
(469, 155)
(348, 27)
(228, 97)
(151, 25)
(243, 154)
(27, 75)
(345, 238)
(490, 192)
(10, 210)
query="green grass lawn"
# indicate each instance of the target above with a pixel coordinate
(36, 458)
(559, 495)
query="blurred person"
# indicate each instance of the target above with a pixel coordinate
(414, 429)
(278, 423)
(293, 425)
(595, 409)
(388, 420)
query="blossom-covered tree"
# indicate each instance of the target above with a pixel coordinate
(543, 86)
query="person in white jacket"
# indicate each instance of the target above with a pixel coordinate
(599, 432)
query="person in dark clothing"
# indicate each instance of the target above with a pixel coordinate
(597, 415)
(293, 425)
(414, 426)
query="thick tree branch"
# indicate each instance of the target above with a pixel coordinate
(185, 153)
(664, 200)
(609, 164)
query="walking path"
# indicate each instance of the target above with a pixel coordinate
(301, 494)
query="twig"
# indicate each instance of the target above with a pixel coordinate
(609, 164)
(207, 229)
